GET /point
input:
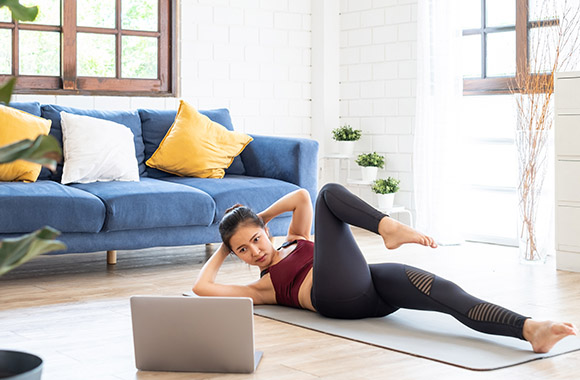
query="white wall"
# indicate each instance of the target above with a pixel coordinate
(377, 84)
(251, 56)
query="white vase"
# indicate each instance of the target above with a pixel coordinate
(386, 201)
(345, 148)
(369, 173)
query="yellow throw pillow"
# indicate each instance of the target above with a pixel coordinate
(195, 146)
(16, 125)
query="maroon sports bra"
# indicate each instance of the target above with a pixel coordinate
(289, 273)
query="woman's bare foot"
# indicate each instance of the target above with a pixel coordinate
(543, 335)
(396, 234)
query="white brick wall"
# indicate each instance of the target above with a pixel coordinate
(250, 56)
(377, 85)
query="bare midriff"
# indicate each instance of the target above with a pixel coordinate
(304, 293)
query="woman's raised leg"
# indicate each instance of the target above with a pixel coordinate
(342, 282)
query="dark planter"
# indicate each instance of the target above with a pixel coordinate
(15, 365)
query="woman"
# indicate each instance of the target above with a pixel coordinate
(331, 276)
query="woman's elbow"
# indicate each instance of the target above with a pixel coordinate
(199, 289)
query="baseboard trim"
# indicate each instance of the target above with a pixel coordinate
(568, 261)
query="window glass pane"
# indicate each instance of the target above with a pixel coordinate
(139, 14)
(471, 14)
(490, 214)
(491, 164)
(542, 10)
(471, 56)
(542, 45)
(96, 13)
(500, 12)
(501, 54)
(488, 117)
(95, 55)
(5, 15)
(5, 51)
(139, 57)
(48, 11)
(39, 53)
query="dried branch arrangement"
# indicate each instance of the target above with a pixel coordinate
(553, 47)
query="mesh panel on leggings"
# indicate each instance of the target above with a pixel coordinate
(421, 280)
(488, 312)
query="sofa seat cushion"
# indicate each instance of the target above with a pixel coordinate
(151, 203)
(30, 206)
(256, 193)
(130, 119)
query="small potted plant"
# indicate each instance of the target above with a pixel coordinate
(345, 137)
(370, 164)
(385, 190)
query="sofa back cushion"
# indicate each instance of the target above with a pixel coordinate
(156, 123)
(128, 118)
(32, 108)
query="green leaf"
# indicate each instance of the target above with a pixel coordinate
(45, 150)
(6, 90)
(17, 251)
(19, 11)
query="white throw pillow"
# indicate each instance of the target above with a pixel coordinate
(97, 150)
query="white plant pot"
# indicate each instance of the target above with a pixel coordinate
(386, 201)
(369, 173)
(345, 147)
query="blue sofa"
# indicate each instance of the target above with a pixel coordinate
(161, 209)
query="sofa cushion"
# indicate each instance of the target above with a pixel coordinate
(156, 123)
(151, 203)
(17, 125)
(32, 108)
(196, 146)
(97, 150)
(128, 118)
(256, 193)
(29, 206)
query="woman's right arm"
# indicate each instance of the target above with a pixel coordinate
(205, 284)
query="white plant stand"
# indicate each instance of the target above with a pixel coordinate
(338, 158)
(400, 210)
(360, 182)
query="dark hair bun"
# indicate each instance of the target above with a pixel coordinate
(234, 217)
(237, 205)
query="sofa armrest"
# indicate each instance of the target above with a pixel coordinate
(288, 159)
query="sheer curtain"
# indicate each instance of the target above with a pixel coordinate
(437, 145)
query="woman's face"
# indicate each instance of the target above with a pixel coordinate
(251, 244)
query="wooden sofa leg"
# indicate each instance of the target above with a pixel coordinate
(208, 251)
(111, 257)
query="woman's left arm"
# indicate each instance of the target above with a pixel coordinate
(299, 203)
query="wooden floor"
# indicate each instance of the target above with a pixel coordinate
(73, 311)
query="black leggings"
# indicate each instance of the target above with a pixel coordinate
(346, 287)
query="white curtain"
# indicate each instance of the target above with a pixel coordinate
(436, 157)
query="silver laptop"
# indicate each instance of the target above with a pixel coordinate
(194, 334)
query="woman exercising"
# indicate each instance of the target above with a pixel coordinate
(331, 276)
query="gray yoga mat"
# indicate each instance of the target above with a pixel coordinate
(424, 334)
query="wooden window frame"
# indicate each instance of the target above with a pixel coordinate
(507, 85)
(71, 84)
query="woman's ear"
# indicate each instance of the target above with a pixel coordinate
(267, 231)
